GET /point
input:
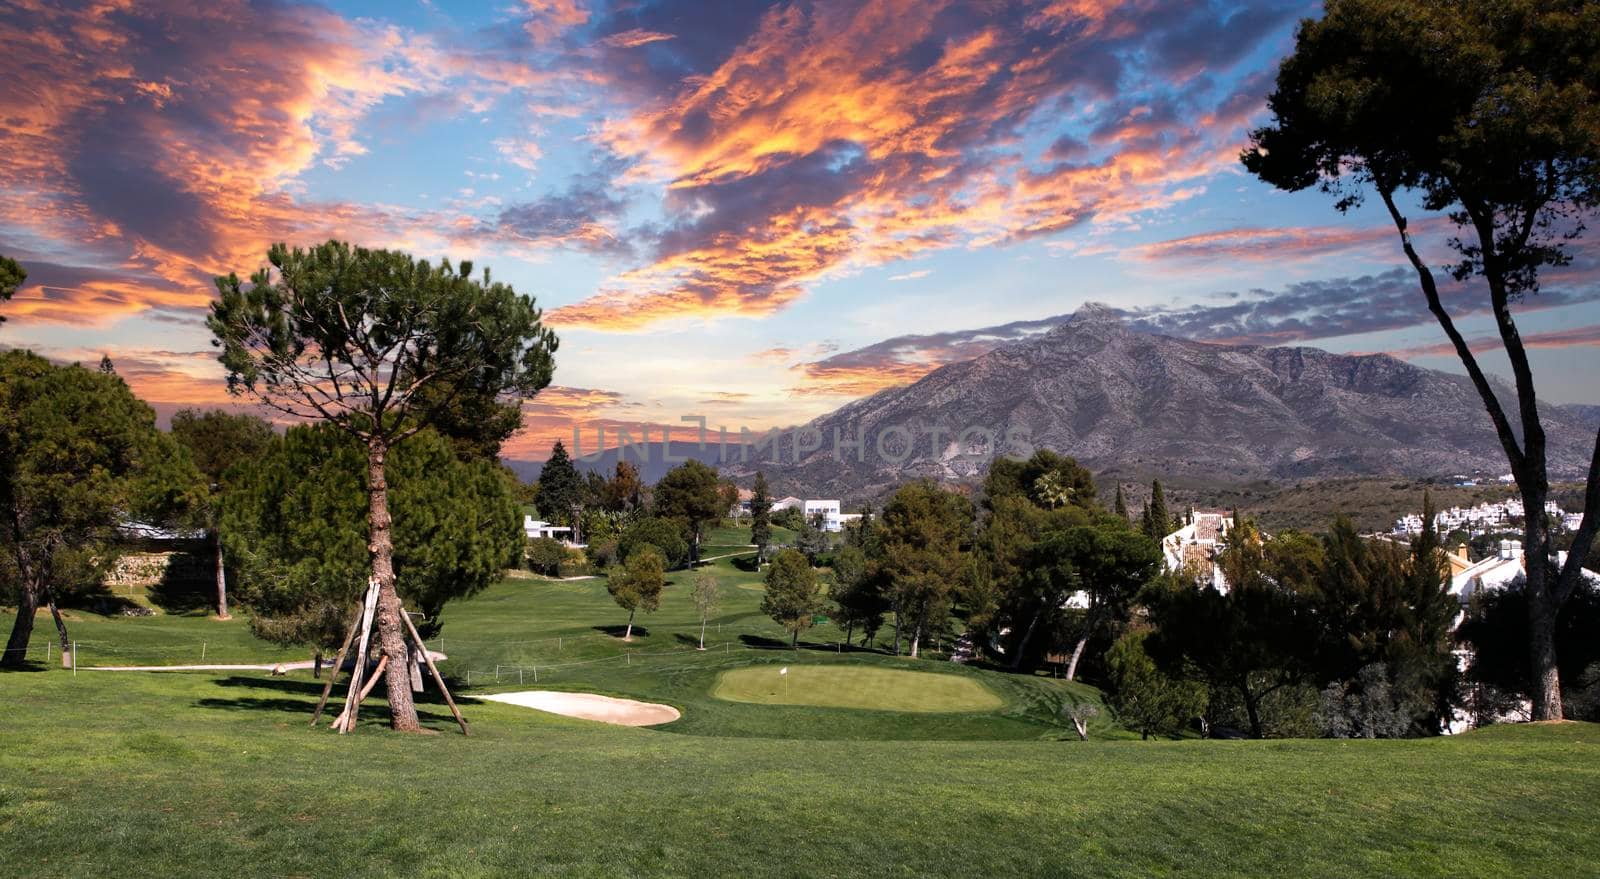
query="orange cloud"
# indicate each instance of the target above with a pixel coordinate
(896, 130)
(554, 411)
(548, 19)
(162, 142)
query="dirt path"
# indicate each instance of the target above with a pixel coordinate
(297, 665)
(729, 555)
(590, 706)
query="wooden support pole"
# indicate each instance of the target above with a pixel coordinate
(366, 690)
(434, 670)
(377, 673)
(351, 704)
(338, 666)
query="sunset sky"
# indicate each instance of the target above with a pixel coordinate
(753, 212)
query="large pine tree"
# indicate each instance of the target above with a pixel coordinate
(380, 345)
(1483, 115)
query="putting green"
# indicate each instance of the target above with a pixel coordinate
(855, 686)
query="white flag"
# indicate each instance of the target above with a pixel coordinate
(784, 670)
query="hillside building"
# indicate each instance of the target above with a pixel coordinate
(1194, 547)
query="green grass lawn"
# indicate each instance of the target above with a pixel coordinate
(163, 639)
(856, 686)
(217, 773)
(203, 775)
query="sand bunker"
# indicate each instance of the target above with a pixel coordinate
(590, 706)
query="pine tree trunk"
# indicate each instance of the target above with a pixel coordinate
(794, 640)
(61, 625)
(222, 582)
(849, 632)
(16, 654)
(1022, 646)
(1546, 677)
(1545, 674)
(391, 632)
(1252, 708)
(628, 635)
(1077, 653)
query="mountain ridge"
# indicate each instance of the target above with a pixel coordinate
(1129, 402)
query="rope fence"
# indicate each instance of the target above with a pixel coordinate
(470, 667)
(530, 674)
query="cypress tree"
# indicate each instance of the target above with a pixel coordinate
(760, 515)
(560, 487)
(1160, 519)
(1121, 507)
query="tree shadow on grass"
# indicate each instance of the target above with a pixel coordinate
(639, 630)
(310, 691)
(746, 563)
(187, 585)
(762, 642)
(282, 685)
(303, 710)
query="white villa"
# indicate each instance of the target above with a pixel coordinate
(1506, 569)
(1195, 545)
(832, 518)
(828, 510)
(540, 528)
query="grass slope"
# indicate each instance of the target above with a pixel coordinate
(196, 775)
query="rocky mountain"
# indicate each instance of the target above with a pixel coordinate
(1134, 405)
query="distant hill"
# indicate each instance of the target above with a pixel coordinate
(651, 458)
(1131, 405)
